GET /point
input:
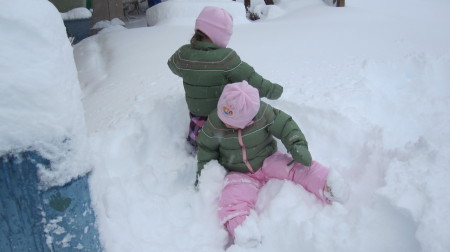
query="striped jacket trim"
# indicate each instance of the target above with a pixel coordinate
(192, 65)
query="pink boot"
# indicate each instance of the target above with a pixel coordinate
(312, 178)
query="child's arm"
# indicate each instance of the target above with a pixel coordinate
(287, 130)
(172, 65)
(244, 71)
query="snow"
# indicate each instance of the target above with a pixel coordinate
(107, 24)
(76, 13)
(40, 107)
(185, 11)
(368, 84)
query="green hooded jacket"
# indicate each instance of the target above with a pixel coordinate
(255, 142)
(206, 68)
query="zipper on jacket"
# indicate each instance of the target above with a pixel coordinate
(244, 152)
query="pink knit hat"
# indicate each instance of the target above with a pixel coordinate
(238, 104)
(216, 23)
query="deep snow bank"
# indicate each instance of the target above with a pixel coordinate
(40, 107)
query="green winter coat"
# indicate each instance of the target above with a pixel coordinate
(217, 142)
(206, 68)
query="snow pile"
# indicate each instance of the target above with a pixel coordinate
(109, 26)
(106, 23)
(40, 107)
(185, 12)
(264, 11)
(76, 13)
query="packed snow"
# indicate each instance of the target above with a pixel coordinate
(103, 24)
(77, 13)
(40, 106)
(368, 84)
(183, 11)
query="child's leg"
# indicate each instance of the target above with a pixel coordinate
(195, 126)
(238, 197)
(312, 178)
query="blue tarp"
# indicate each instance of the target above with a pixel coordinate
(58, 219)
(153, 2)
(79, 29)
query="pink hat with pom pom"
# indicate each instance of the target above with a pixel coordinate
(216, 23)
(238, 104)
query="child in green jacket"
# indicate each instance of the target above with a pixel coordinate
(239, 134)
(206, 66)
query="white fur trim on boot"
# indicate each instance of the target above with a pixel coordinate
(337, 188)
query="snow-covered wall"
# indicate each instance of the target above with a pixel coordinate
(40, 97)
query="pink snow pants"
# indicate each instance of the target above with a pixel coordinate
(240, 190)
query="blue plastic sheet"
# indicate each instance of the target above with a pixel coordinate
(58, 219)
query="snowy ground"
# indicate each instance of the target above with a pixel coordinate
(369, 85)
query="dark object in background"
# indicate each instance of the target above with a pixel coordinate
(78, 29)
(337, 3)
(153, 2)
